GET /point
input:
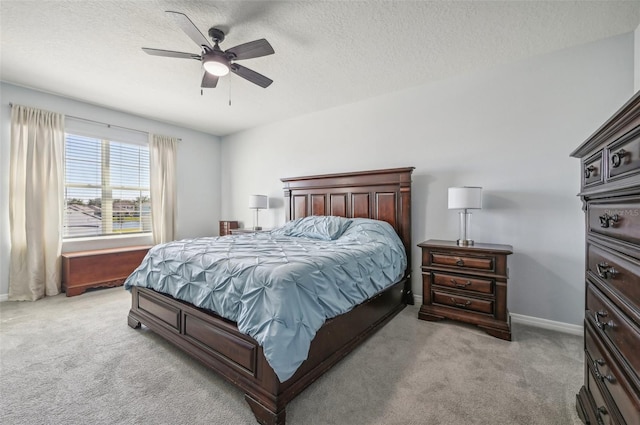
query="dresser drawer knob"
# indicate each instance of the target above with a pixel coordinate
(460, 262)
(616, 158)
(606, 220)
(588, 170)
(457, 304)
(460, 285)
(605, 271)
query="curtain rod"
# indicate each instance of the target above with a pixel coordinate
(103, 123)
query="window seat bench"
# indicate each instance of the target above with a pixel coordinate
(83, 270)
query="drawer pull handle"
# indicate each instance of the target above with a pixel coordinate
(606, 220)
(601, 411)
(605, 271)
(457, 304)
(460, 262)
(597, 316)
(588, 170)
(460, 285)
(616, 158)
(596, 372)
(599, 375)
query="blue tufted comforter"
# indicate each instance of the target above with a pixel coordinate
(279, 289)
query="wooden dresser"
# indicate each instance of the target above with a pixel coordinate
(466, 283)
(610, 191)
(99, 268)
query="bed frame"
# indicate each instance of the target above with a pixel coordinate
(379, 194)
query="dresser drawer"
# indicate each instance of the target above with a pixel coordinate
(618, 272)
(464, 303)
(603, 410)
(483, 286)
(592, 170)
(624, 157)
(486, 263)
(612, 325)
(611, 378)
(620, 220)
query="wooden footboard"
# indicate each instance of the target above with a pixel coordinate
(238, 358)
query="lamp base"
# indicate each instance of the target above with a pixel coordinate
(257, 227)
(465, 242)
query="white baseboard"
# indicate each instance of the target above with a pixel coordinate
(4, 297)
(547, 324)
(534, 321)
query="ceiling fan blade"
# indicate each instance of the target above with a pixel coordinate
(209, 81)
(250, 75)
(170, 53)
(252, 49)
(189, 28)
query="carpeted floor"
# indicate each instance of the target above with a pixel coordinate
(75, 361)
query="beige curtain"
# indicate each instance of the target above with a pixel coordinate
(36, 186)
(162, 161)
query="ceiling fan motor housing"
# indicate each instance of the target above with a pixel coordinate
(216, 35)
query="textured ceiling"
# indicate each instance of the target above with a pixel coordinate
(328, 53)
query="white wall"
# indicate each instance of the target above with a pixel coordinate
(509, 129)
(198, 170)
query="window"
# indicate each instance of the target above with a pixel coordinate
(106, 187)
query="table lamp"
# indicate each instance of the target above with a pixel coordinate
(257, 202)
(465, 198)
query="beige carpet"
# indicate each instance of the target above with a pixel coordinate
(75, 361)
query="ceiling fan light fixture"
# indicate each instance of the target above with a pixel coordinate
(216, 65)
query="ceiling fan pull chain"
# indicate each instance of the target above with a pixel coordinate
(229, 79)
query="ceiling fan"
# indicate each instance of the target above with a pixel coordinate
(215, 61)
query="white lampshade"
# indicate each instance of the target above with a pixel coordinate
(467, 197)
(259, 202)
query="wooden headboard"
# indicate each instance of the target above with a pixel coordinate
(379, 194)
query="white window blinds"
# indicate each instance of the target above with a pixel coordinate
(106, 181)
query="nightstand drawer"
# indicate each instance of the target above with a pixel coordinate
(484, 286)
(464, 303)
(461, 261)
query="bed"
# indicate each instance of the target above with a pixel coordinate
(379, 194)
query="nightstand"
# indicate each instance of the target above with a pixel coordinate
(466, 283)
(227, 226)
